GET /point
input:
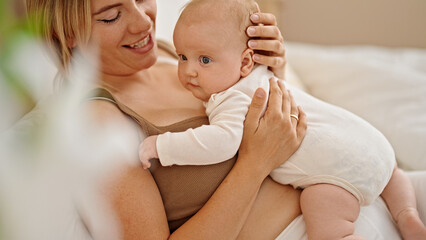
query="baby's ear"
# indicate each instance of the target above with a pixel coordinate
(247, 62)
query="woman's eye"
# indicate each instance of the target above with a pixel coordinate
(111, 20)
(183, 57)
(205, 60)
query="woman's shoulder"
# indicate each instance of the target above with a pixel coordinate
(130, 188)
(104, 111)
(107, 115)
(102, 106)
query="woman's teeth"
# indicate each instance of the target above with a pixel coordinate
(141, 43)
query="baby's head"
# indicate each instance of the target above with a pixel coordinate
(211, 42)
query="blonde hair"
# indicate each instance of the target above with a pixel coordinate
(238, 11)
(61, 23)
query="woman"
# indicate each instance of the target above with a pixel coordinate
(178, 202)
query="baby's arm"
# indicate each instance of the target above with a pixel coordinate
(219, 141)
(148, 150)
(208, 144)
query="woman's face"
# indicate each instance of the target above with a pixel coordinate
(124, 33)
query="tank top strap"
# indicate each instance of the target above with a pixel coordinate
(101, 94)
(105, 95)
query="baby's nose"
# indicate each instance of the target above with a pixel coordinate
(191, 72)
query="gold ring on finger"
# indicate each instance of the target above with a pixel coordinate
(294, 116)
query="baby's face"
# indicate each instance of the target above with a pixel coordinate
(209, 62)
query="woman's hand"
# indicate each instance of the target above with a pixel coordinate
(267, 42)
(270, 140)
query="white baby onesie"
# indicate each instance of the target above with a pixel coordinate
(339, 147)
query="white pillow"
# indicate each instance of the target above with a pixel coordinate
(292, 78)
(386, 87)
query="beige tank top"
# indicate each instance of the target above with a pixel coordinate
(184, 189)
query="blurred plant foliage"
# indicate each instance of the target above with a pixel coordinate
(14, 30)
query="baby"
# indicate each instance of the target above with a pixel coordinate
(343, 161)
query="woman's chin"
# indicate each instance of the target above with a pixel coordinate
(148, 60)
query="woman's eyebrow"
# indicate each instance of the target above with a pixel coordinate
(105, 8)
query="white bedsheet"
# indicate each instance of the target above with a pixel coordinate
(374, 222)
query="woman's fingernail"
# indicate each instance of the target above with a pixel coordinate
(251, 30)
(252, 44)
(260, 93)
(256, 58)
(254, 17)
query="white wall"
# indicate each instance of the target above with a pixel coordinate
(167, 15)
(392, 23)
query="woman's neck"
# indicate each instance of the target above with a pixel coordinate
(121, 85)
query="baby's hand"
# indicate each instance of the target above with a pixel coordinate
(148, 150)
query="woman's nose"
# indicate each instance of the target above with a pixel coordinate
(140, 21)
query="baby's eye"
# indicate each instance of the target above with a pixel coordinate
(183, 57)
(205, 60)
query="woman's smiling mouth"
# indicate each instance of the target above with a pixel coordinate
(140, 44)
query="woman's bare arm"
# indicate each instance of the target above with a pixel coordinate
(275, 207)
(129, 189)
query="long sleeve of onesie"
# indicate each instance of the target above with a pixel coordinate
(219, 141)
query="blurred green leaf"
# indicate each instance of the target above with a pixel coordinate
(13, 30)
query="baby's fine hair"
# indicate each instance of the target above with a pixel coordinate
(237, 11)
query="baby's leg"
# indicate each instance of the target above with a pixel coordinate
(401, 200)
(330, 212)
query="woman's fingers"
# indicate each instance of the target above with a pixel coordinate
(286, 103)
(267, 42)
(272, 46)
(270, 53)
(256, 108)
(302, 125)
(271, 61)
(263, 18)
(294, 111)
(266, 32)
(275, 99)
